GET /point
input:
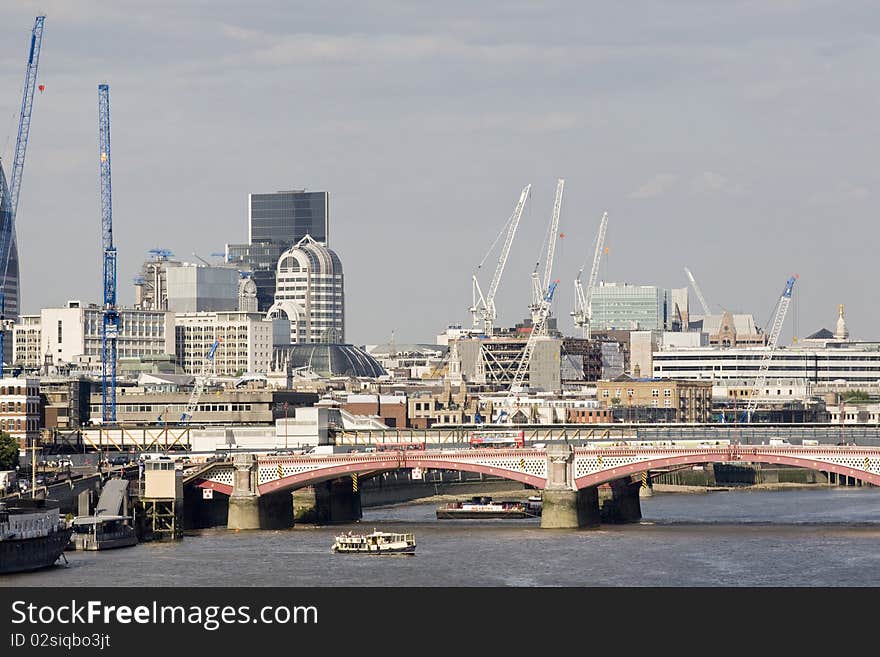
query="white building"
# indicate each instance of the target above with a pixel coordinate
(246, 341)
(200, 288)
(26, 350)
(309, 293)
(68, 333)
(20, 409)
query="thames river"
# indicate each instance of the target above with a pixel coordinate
(822, 537)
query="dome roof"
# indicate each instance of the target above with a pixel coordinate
(311, 255)
(326, 359)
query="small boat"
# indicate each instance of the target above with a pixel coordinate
(485, 507)
(102, 533)
(375, 543)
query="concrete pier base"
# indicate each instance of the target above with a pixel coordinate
(623, 506)
(244, 512)
(569, 509)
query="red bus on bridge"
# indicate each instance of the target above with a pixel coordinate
(497, 439)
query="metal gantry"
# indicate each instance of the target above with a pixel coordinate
(772, 340)
(7, 229)
(483, 307)
(110, 322)
(583, 313)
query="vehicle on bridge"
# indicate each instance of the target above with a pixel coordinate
(480, 439)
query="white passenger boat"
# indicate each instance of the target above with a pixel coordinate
(375, 543)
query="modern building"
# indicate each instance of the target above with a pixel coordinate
(247, 341)
(10, 282)
(835, 366)
(286, 217)
(410, 361)
(151, 283)
(629, 307)
(195, 288)
(276, 222)
(76, 330)
(26, 349)
(391, 410)
(310, 293)
(216, 407)
(20, 409)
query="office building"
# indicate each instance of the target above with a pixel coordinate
(310, 293)
(199, 288)
(20, 409)
(246, 344)
(276, 222)
(622, 306)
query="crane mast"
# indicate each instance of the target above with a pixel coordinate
(772, 340)
(541, 285)
(483, 307)
(7, 229)
(699, 292)
(538, 331)
(110, 324)
(582, 312)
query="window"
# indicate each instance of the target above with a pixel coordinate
(667, 393)
(655, 392)
(667, 403)
(605, 393)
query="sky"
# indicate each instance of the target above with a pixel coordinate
(735, 139)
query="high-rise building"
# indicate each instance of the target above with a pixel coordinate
(200, 288)
(629, 307)
(288, 216)
(310, 293)
(276, 222)
(10, 282)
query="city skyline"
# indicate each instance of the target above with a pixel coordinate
(732, 140)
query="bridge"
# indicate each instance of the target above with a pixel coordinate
(567, 476)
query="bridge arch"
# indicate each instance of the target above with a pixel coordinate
(723, 456)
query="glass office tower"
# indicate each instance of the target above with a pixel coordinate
(287, 217)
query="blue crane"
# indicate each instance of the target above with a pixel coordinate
(7, 230)
(111, 313)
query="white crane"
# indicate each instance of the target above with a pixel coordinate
(483, 307)
(699, 292)
(772, 340)
(541, 285)
(583, 312)
(539, 331)
(199, 386)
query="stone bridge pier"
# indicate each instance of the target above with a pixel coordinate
(565, 507)
(250, 510)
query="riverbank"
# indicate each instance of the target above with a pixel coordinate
(681, 488)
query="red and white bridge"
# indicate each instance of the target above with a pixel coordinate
(557, 467)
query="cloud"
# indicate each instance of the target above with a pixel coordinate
(711, 182)
(657, 186)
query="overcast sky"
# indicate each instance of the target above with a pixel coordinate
(740, 141)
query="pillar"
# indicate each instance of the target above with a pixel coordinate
(337, 501)
(624, 505)
(563, 507)
(244, 510)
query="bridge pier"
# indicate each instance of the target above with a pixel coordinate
(564, 507)
(624, 505)
(336, 501)
(244, 507)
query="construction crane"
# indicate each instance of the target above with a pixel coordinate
(540, 285)
(772, 340)
(539, 331)
(699, 292)
(582, 312)
(110, 323)
(483, 306)
(7, 230)
(199, 386)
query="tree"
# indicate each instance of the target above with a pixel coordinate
(8, 452)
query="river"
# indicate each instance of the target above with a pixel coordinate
(804, 537)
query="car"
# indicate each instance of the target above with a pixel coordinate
(118, 460)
